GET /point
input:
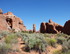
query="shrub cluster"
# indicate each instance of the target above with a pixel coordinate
(35, 42)
(11, 39)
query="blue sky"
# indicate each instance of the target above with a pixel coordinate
(37, 11)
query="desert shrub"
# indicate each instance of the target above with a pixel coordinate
(60, 40)
(51, 41)
(30, 31)
(48, 35)
(60, 52)
(61, 34)
(35, 42)
(66, 46)
(57, 52)
(5, 48)
(19, 34)
(12, 38)
(69, 44)
(3, 34)
(25, 31)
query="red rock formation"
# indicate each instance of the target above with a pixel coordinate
(66, 28)
(34, 28)
(9, 21)
(42, 27)
(59, 28)
(50, 27)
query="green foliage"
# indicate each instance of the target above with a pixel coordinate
(48, 35)
(35, 42)
(30, 31)
(66, 46)
(5, 48)
(12, 38)
(60, 40)
(25, 31)
(19, 34)
(57, 52)
(51, 41)
(61, 35)
(3, 34)
(60, 52)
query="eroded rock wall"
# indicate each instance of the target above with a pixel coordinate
(9, 21)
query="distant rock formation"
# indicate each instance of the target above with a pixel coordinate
(50, 27)
(66, 28)
(8, 21)
(1, 12)
(34, 28)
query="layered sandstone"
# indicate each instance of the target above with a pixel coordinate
(8, 21)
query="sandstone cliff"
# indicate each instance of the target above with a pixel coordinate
(8, 21)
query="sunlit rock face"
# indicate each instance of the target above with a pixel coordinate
(50, 27)
(66, 28)
(8, 21)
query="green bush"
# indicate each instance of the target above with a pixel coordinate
(57, 52)
(48, 35)
(35, 42)
(60, 40)
(30, 31)
(60, 52)
(10, 39)
(5, 48)
(25, 31)
(19, 34)
(61, 35)
(3, 34)
(69, 44)
(51, 41)
(66, 46)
